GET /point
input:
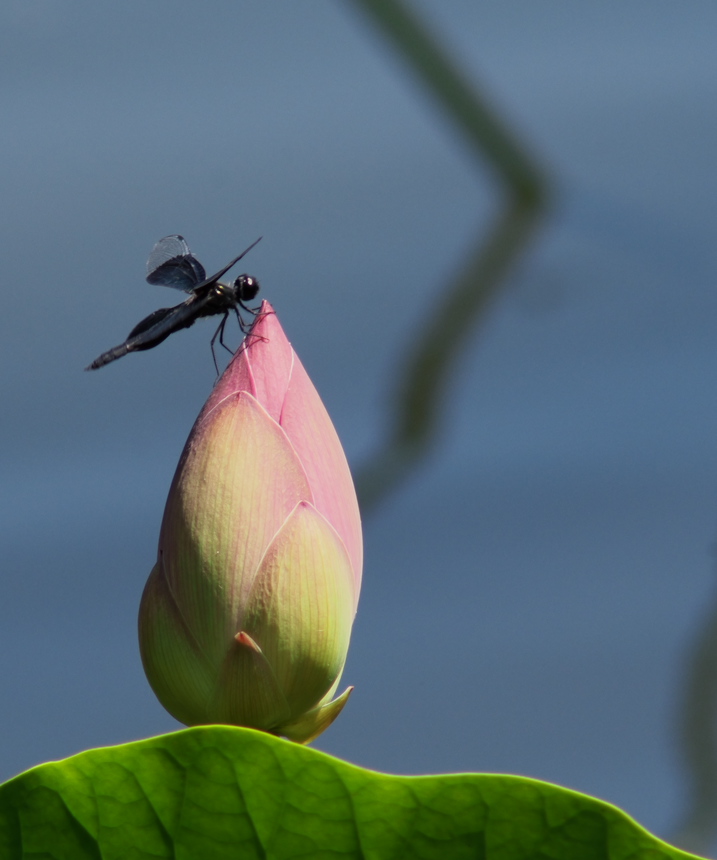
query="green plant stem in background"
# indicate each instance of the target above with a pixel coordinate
(698, 740)
(429, 367)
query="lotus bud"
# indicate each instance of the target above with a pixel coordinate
(247, 614)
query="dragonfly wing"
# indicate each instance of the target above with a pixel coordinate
(215, 277)
(172, 264)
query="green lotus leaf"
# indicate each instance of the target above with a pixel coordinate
(214, 792)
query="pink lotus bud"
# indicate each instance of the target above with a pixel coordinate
(246, 616)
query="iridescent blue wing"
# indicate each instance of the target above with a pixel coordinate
(172, 264)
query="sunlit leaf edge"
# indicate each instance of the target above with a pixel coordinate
(220, 791)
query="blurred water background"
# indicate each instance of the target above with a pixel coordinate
(533, 591)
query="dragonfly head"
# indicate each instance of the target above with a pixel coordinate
(246, 288)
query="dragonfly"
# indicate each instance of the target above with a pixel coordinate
(172, 264)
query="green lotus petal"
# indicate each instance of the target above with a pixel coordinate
(176, 669)
(238, 480)
(247, 692)
(301, 608)
(219, 792)
(315, 721)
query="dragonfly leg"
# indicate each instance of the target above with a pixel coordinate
(242, 324)
(252, 311)
(248, 330)
(219, 333)
(256, 313)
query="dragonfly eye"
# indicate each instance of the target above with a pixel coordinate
(246, 287)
